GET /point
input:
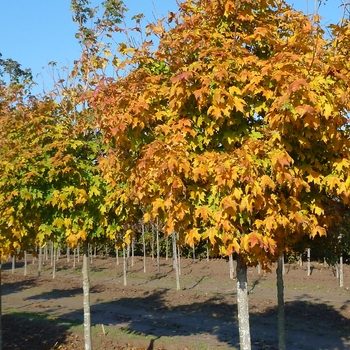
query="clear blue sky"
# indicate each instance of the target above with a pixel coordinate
(36, 32)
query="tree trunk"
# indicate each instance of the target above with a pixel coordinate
(86, 301)
(125, 268)
(175, 262)
(68, 253)
(14, 264)
(341, 275)
(144, 246)
(157, 238)
(166, 247)
(78, 252)
(208, 251)
(152, 244)
(74, 257)
(308, 261)
(25, 263)
(230, 261)
(40, 261)
(242, 305)
(280, 298)
(117, 255)
(259, 268)
(132, 251)
(193, 253)
(51, 253)
(54, 263)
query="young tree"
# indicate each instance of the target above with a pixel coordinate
(234, 129)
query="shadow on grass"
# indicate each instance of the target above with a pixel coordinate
(24, 331)
(309, 325)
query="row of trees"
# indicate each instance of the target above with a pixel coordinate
(232, 129)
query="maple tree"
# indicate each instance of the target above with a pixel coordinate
(233, 128)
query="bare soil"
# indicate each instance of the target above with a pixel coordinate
(148, 313)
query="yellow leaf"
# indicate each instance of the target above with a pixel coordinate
(318, 230)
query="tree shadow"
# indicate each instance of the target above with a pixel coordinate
(23, 331)
(309, 325)
(14, 287)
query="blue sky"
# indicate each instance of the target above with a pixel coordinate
(36, 32)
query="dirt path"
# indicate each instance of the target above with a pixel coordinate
(149, 313)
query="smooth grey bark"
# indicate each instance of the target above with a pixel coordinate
(132, 251)
(86, 298)
(167, 248)
(179, 255)
(175, 261)
(193, 253)
(157, 242)
(74, 257)
(144, 246)
(308, 261)
(68, 253)
(341, 274)
(117, 255)
(125, 267)
(51, 253)
(54, 262)
(25, 263)
(280, 298)
(259, 268)
(40, 261)
(283, 267)
(242, 305)
(78, 252)
(230, 262)
(208, 251)
(14, 264)
(152, 244)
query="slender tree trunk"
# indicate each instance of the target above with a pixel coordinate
(86, 301)
(341, 274)
(95, 251)
(152, 244)
(193, 253)
(208, 258)
(283, 266)
(308, 261)
(40, 261)
(324, 262)
(14, 264)
(125, 267)
(280, 298)
(144, 246)
(51, 253)
(54, 262)
(157, 238)
(127, 257)
(242, 305)
(45, 254)
(166, 247)
(230, 261)
(78, 252)
(300, 260)
(132, 251)
(25, 263)
(74, 257)
(259, 268)
(175, 261)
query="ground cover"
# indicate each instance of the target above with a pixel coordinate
(148, 313)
